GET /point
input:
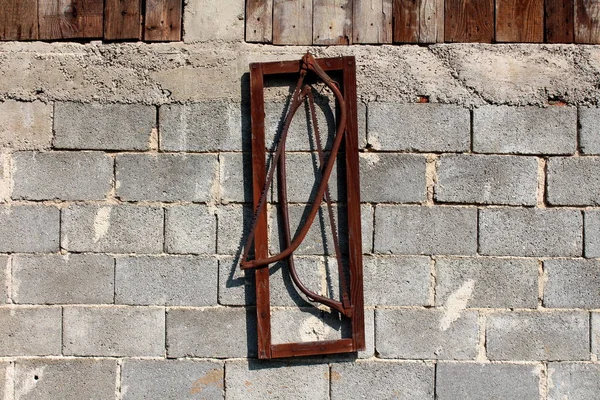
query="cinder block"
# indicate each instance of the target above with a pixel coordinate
(487, 179)
(5, 177)
(596, 334)
(167, 177)
(307, 325)
(170, 281)
(236, 177)
(4, 276)
(396, 178)
(234, 223)
(572, 284)
(58, 279)
(62, 175)
(487, 282)
(105, 126)
(206, 20)
(382, 380)
(211, 332)
(29, 229)
(551, 336)
(369, 334)
(25, 126)
(487, 381)
(4, 366)
(312, 273)
(592, 233)
(573, 381)
(397, 281)
(236, 287)
(70, 379)
(430, 334)
(525, 130)
(204, 126)
(425, 230)
(114, 331)
(26, 331)
(113, 228)
(276, 380)
(190, 229)
(172, 380)
(589, 122)
(418, 127)
(574, 181)
(530, 232)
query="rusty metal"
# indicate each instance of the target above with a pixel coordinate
(351, 304)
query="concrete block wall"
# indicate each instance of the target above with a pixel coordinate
(125, 194)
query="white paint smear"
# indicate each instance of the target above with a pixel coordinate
(456, 304)
(101, 223)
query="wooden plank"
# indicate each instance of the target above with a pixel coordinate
(559, 21)
(587, 21)
(68, 19)
(431, 21)
(292, 22)
(469, 21)
(259, 21)
(311, 348)
(122, 19)
(332, 22)
(18, 20)
(520, 21)
(372, 21)
(162, 20)
(406, 21)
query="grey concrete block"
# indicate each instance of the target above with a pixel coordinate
(307, 325)
(5, 177)
(420, 127)
(170, 281)
(62, 175)
(487, 179)
(573, 381)
(397, 281)
(211, 332)
(426, 334)
(397, 178)
(525, 130)
(25, 125)
(72, 379)
(105, 126)
(4, 366)
(114, 331)
(276, 380)
(572, 283)
(487, 381)
(171, 380)
(369, 334)
(551, 336)
(167, 177)
(236, 177)
(236, 287)
(26, 331)
(425, 230)
(589, 135)
(112, 228)
(574, 181)
(190, 229)
(592, 233)
(382, 380)
(596, 334)
(312, 273)
(234, 223)
(205, 126)
(530, 232)
(58, 279)
(4, 279)
(487, 282)
(29, 229)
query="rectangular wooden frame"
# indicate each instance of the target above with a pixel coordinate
(266, 350)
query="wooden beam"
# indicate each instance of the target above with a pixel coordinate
(259, 21)
(469, 21)
(587, 21)
(18, 20)
(372, 21)
(560, 22)
(520, 21)
(68, 19)
(162, 21)
(122, 19)
(418, 21)
(332, 22)
(292, 22)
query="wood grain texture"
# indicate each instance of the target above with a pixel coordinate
(431, 21)
(587, 21)
(520, 21)
(292, 22)
(17, 21)
(162, 20)
(122, 19)
(406, 21)
(469, 21)
(67, 19)
(372, 21)
(560, 22)
(332, 22)
(259, 21)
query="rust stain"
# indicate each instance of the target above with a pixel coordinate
(248, 383)
(335, 376)
(214, 377)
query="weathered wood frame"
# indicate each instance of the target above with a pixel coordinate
(266, 350)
